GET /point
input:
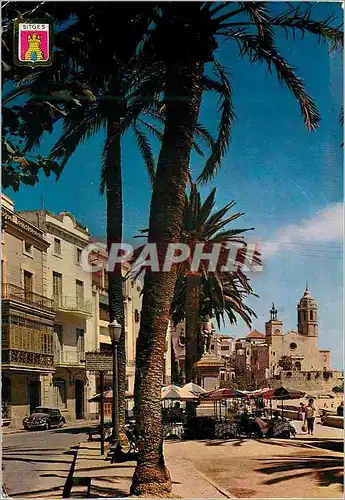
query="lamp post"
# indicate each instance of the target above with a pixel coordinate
(115, 334)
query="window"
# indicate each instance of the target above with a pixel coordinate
(80, 293)
(28, 284)
(298, 366)
(57, 246)
(79, 251)
(304, 315)
(224, 348)
(58, 338)
(46, 340)
(57, 284)
(311, 315)
(60, 393)
(2, 272)
(293, 346)
(80, 340)
(104, 312)
(136, 316)
(27, 248)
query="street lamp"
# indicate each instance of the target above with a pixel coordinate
(115, 334)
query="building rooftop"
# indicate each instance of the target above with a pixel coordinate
(255, 334)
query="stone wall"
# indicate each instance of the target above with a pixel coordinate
(308, 381)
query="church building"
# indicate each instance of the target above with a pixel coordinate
(300, 346)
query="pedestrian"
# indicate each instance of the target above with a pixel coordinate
(340, 409)
(310, 416)
(301, 412)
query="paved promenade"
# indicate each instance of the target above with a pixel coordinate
(305, 467)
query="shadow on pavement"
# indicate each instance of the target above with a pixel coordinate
(328, 469)
(71, 430)
(26, 494)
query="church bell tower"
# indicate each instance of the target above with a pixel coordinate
(274, 326)
(307, 315)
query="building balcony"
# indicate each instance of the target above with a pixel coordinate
(14, 359)
(69, 358)
(18, 294)
(72, 304)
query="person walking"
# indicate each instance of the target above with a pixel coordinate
(310, 416)
(301, 412)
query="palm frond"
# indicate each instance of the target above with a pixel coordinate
(295, 20)
(259, 14)
(206, 208)
(226, 120)
(146, 151)
(76, 133)
(261, 51)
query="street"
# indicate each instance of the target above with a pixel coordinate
(36, 464)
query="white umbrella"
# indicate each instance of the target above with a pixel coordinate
(177, 393)
(194, 388)
(170, 386)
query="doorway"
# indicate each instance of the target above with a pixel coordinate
(79, 399)
(34, 395)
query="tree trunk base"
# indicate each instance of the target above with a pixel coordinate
(151, 481)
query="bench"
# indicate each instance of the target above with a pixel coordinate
(96, 431)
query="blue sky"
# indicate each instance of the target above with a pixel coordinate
(288, 182)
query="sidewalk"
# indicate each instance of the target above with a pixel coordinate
(95, 476)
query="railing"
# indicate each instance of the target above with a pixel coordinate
(69, 357)
(72, 304)
(14, 292)
(27, 359)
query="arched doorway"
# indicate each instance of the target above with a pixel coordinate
(79, 399)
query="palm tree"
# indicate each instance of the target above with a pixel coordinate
(88, 92)
(93, 85)
(196, 29)
(209, 293)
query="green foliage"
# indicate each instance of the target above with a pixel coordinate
(338, 388)
(242, 381)
(285, 362)
(221, 293)
(16, 164)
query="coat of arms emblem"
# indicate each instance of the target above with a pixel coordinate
(33, 43)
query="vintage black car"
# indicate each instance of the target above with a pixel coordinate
(44, 418)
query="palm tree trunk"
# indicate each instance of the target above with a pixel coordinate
(166, 216)
(192, 325)
(113, 177)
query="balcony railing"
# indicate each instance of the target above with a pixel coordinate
(72, 304)
(14, 292)
(73, 358)
(31, 360)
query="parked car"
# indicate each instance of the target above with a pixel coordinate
(44, 418)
